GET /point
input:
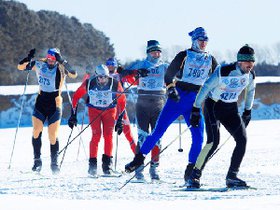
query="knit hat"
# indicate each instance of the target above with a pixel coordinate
(153, 45)
(112, 62)
(246, 53)
(199, 33)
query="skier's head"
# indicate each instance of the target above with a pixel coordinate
(112, 64)
(246, 58)
(199, 39)
(153, 51)
(102, 74)
(51, 59)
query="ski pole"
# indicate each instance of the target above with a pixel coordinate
(215, 152)
(180, 139)
(65, 149)
(81, 141)
(177, 137)
(20, 114)
(116, 152)
(97, 116)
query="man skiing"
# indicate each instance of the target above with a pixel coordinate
(221, 92)
(112, 66)
(51, 72)
(191, 67)
(150, 101)
(102, 99)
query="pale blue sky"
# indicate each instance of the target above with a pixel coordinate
(129, 24)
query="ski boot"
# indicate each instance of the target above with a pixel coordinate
(139, 173)
(92, 170)
(154, 171)
(37, 144)
(37, 165)
(107, 164)
(54, 155)
(188, 171)
(194, 179)
(233, 181)
(137, 162)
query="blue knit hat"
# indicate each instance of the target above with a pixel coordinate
(153, 45)
(112, 62)
(199, 33)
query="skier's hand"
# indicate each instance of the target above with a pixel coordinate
(143, 72)
(72, 121)
(59, 59)
(31, 53)
(246, 117)
(119, 125)
(119, 69)
(29, 56)
(173, 94)
(195, 117)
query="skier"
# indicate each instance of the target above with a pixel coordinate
(51, 72)
(102, 100)
(150, 101)
(192, 66)
(112, 65)
(221, 92)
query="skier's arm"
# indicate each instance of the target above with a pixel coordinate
(211, 82)
(250, 93)
(173, 68)
(121, 101)
(80, 92)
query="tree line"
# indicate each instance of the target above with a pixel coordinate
(22, 29)
(82, 45)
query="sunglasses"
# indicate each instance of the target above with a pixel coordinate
(205, 39)
(102, 76)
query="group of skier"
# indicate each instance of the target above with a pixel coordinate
(192, 79)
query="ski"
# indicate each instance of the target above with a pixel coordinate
(113, 174)
(215, 189)
(153, 181)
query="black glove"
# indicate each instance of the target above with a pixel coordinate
(143, 72)
(246, 117)
(29, 56)
(59, 58)
(119, 69)
(73, 119)
(195, 117)
(173, 94)
(119, 124)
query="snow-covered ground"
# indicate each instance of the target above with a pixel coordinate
(72, 189)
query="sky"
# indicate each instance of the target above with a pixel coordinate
(129, 24)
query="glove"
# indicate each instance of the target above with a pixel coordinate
(29, 56)
(72, 121)
(59, 58)
(119, 124)
(119, 69)
(195, 117)
(246, 117)
(173, 94)
(143, 72)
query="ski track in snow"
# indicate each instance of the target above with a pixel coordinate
(260, 168)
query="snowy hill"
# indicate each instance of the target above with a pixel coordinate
(266, 104)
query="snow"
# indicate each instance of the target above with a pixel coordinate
(73, 189)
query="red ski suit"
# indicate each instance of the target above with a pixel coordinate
(101, 111)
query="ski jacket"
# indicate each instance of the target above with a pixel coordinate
(153, 82)
(191, 69)
(226, 84)
(101, 97)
